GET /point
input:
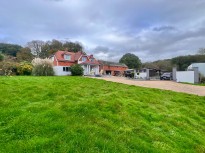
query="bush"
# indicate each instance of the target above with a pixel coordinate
(24, 68)
(42, 67)
(7, 68)
(202, 79)
(76, 70)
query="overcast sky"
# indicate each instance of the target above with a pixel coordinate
(151, 29)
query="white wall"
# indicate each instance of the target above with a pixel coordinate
(59, 70)
(85, 70)
(142, 75)
(201, 67)
(185, 76)
(97, 69)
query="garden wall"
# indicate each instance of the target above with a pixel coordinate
(185, 76)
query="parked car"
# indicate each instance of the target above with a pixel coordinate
(129, 73)
(166, 76)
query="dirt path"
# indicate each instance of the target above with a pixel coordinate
(166, 85)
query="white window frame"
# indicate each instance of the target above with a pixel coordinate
(84, 58)
(66, 69)
(67, 57)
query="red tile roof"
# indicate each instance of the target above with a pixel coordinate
(95, 62)
(74, 56)
(60, 55)
(77, 55)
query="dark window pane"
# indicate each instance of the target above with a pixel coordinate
(67, 69)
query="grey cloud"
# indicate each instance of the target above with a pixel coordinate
(164, 28)
(54, 0)
(150, 29)
(100, 49)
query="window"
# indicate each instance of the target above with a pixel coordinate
(84, 59)
(92, 59)
(66, 69)
(67, 57)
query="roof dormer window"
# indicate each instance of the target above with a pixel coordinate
(67, 57)
(84, 59)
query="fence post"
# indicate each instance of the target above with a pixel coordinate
(174, 74)
(196, 74)
(147, 77)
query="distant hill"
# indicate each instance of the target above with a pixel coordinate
(9, 49)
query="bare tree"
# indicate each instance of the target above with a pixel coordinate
(36, 47)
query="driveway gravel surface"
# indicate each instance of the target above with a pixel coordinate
(166, 85)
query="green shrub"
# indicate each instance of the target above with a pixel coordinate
(7, 68)
(202, 79)
(42, 67)
(76, 70)
(24, 68)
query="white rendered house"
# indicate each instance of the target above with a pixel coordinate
(62, 60)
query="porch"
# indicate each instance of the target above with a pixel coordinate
(90, 69)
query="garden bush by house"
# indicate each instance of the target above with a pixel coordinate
(42, 67)
(202, 79)
(24, 68)
(76, 70)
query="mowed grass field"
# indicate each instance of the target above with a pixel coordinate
(77, 114)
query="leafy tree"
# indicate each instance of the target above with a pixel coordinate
(1, 57)
(36, 47)
(45, 52)
(56, 45)
(131, 60)
(182, 62)
(76, 70)
(73, 47)
(9, 49)
(51, 47)
(160, 64)
(24, 55)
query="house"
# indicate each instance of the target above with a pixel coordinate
(112, 68)
(63, 60)
(201, 67)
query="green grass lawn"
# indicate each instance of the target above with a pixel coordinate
(77, 114)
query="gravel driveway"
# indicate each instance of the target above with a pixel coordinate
(166, 85)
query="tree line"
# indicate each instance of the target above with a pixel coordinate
(43, 49)
(38, 48)
(181, 62)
